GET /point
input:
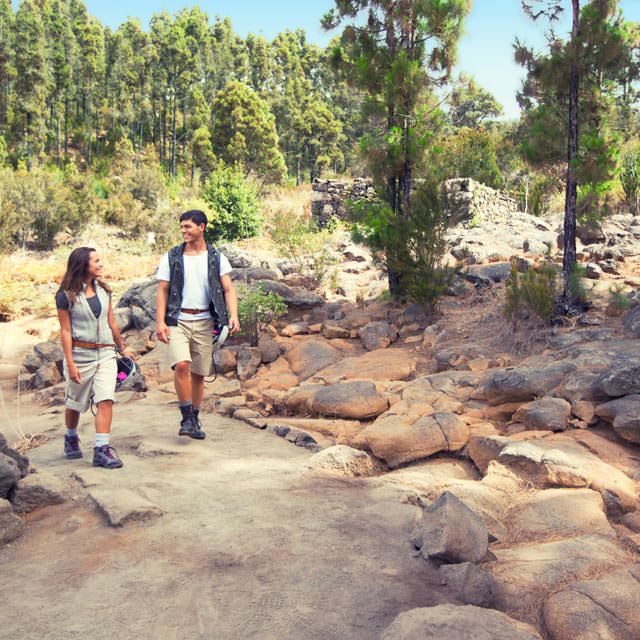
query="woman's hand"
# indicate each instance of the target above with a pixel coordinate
(74, 373)
(129, 354)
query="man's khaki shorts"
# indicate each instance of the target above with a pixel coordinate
(192, 341)
(98, 383)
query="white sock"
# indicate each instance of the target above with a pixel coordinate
(102, 439)
(72, 432)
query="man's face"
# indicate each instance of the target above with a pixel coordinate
(191, 232)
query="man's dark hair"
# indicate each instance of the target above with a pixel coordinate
(196, 216)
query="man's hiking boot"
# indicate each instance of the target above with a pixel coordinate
(198, 433)
(72, 447)
(106, 456)
(190, 424)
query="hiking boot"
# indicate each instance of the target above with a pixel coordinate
(187, 426)
(72, 447)
(106, 456)
(198, 433)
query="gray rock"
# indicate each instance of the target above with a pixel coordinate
(377, 335)
(494, 271)
(37, 490)
(140, 318)
(592, 271)
(357, 400)
(451, 622)
(606, 607)
(343, 460)
(122, 506)
(310, 356)
(238, 258)
(483, 449)
(624, 416)
(269, 349)
(451, 359)
(11, 526)
(413, 314)
(250, 274)
(451, 532)
(331, 331)
(225, 360)
(248, 361)
(9, 474)
(49, 351)
(293, 296)
(295, 329)
(21, 461)
(48, 375)
(142, 295)
(546, 413)
(123, 317)
(32, 363)
(469, 583)
(631, 320)
(622, 377)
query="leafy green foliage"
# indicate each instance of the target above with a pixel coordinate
(535, 290)
(619, 301)
(233, 204)
(630, 177)
(256, 310)
(576, 284)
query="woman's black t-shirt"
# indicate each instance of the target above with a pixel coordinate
(62, 302)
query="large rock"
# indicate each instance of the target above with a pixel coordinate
(624, 416)
(9, 474)
(248, 361)
(451, 622)
(122, 506)
(358, 400)
(450, 532)
(11, 526)
(390, 364)
(596, 609)
(49, 351)
(21, 461)
(483, 449)
(377, 335)
(269, 349)
(343, 460)
(225, 359)
(292, 296)
(398, 439)
(141, 299)
(310, 356)
(468, 583)
(631, 321)
(559, 512)
(37, 490)
(519, 384)
(523, 572)
(546, 413)
(567, 464)
(622, 377)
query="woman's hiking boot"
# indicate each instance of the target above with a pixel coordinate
(106, 456)
(72, 447)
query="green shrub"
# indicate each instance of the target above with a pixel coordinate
(576, 284)
(534, 290)
(630, 177)
(256, 309)
(619, 301)
(233, 204)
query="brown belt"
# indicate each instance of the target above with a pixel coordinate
(90, 345)
(194, 311)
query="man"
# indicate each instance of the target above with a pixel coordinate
(195, 295)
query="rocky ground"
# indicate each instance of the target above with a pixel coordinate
(453, 477)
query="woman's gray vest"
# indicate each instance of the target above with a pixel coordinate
(87, 328)
(217, 305)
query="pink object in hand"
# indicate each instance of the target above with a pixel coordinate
(121, 376)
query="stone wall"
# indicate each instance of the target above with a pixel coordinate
(468, 200)
(471, 201)
(328, 197)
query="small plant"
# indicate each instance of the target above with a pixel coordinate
(256, 309)
(619, 301)
(575, 284)
(334, 280)
(534, 290)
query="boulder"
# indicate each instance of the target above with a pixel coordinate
(622, 377)
(559, 512)
(390, 364)
(269, 349)
(631, 321)
(140, 318)
(143, 296)
(123, 317)
(331, 331)
(356, 400)
(21, 461)
(292, 296)
(450, 532)
(37, 490)
(310, 356)
(238, 258)
(343, 460)
(451, 358)
(624, 416)
(256, 272)
(525, 572)
(568, 464)
(225, 360)
(468, 583)
(546, 413)
(494, 271)
(398, 439)
(483, 449)
(32, 363)
(295, 329)
(606, 607)
(248, 361)
(9, 474)
(11, 526)
(450, 622)
(48, 375)
(122, 506)
(377, 335)
(49, 351)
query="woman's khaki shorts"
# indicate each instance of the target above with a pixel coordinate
(98, 383)
(192, 341)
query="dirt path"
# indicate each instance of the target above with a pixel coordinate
(250, 543)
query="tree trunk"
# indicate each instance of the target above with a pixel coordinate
(58, 141)
(172, 170)
(66, 127)
(571, 194)
(28, 142)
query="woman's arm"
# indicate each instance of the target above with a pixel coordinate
(117, 338)
(65, 329)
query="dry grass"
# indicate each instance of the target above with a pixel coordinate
(30, 442)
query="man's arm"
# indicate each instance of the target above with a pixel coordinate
(162, 331)
(231, 299)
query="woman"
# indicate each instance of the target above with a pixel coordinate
(89, 335)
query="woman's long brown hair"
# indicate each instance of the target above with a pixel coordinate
(73, 279)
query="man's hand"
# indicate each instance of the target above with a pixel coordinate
(234, 325)
(162, 331)
(74, 374)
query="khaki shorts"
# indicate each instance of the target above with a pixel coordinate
(192, 341)
(98, 383)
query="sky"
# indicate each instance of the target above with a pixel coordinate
(485, 52)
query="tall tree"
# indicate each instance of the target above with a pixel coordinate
(6, 22)
(398, 54)
(570, 89)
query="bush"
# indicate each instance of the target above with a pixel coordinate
(233, 205)
(619, 301)
(534, 290)
(630, 178)
(256, 309)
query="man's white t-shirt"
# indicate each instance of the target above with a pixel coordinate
(195, 292)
